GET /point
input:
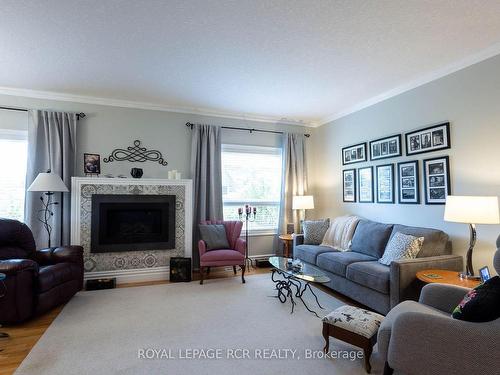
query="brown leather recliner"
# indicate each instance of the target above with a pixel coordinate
(37, 280)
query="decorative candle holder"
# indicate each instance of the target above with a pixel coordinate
(247, 215)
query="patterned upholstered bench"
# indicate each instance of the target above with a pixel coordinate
(355, 326)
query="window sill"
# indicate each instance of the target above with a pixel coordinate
(257, 233)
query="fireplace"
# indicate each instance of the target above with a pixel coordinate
(132, 222)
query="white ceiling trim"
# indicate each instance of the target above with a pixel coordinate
(427, 78)
(49, 95)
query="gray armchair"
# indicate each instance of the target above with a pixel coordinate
(422, 337)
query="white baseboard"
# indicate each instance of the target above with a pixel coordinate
(133, 275)
(140, 275)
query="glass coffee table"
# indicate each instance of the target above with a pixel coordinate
(294, 281)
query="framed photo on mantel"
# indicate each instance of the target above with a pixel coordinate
(433, 138)
(354, 154)
(437, 180)
(388, 147)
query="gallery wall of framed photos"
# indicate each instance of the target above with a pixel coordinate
(399, 182)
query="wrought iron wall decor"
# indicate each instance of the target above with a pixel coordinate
(136, 153)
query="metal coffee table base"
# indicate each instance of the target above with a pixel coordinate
(290, 287)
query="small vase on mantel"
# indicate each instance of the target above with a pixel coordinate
(136, 172)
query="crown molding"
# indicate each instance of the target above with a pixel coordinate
(50, 95)
(485, 54)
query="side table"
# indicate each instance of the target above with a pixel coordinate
(445, 277)
(2, 293)
(287, 240)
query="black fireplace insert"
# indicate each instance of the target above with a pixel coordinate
(132, 222)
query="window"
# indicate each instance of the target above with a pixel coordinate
(13, 154)
(252, 175)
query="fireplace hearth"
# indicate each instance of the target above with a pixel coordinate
(132, 222)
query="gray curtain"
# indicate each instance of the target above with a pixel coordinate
(207, 178)
(51, 145)
(294, 178)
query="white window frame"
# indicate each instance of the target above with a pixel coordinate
(232, 147)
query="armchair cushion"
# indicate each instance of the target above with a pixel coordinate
(54, 255)
(214, 236)
(222, 257)
(13, 266)
(481, 304)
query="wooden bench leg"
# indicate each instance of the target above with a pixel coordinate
(201, 275)
(243, 274)
(367, 352)
(326, 336)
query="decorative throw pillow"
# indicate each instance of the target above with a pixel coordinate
(314, 231)
(481, 304)
(401, 246)
(214, 236)
(340, 232)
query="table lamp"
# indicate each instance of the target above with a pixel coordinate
(49, 183)
(302, 202)
(471, 210)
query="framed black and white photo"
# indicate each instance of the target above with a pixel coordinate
(388, 147)
(365, 185)
(408, 182)
(349, 185)
(432, 138)
(91, 164)
(385, 183)
(354, 154)
(437, 180)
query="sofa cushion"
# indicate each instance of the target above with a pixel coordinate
(373, 275)
(370, 238)
(435, 241)
(309, 253)
(314, 231)
(57, 274)
(337, 262)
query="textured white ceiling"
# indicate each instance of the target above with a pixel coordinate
(304, 59)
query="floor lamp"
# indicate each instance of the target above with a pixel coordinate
(302, 202)
(471, 210)
(48, 183)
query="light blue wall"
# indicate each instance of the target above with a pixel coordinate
(470, 101)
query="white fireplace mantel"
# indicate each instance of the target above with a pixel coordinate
(124, 266)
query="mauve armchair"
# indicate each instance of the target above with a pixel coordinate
(234, 256)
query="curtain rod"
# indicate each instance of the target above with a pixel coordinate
(190, 125)
(78, 115)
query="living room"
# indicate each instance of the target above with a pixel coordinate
(318, 167)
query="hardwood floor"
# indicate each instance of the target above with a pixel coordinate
(24, 336)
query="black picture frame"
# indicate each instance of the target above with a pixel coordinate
(352, 154)
(437, 183)
(91, 163)
(351, 172)
(405, 178)
(390, 167)
(392, 147)
(485, 274)
(361, 198)
(429, 139)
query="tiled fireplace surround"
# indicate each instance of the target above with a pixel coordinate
(131, 265)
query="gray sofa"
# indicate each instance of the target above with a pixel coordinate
(358, 275)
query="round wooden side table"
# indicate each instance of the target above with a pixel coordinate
(445, 277)
(287, 245)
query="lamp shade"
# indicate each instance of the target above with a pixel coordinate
(471, 210)
(48, 182)
(302, 202)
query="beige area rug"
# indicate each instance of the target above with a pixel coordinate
(118, 331)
